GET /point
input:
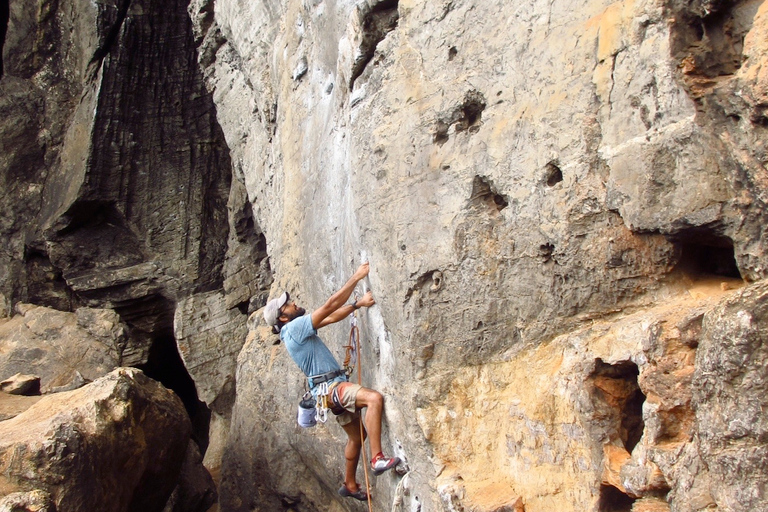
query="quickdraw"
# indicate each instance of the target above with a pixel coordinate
(351, 349)
(321, 405)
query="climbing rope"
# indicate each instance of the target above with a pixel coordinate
(399, 493)
(353, 350)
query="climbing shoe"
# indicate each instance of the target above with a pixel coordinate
(359, 495)
(380, 463)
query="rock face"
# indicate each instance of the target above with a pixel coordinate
(729, 397)
(538, 186)
(82, 448)
(563, 204)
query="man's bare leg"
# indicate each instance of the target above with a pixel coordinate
(374, 403)
(352, 453)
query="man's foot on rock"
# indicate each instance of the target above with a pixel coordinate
(380, 463)
(360, 494)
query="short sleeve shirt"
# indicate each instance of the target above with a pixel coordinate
(306, 348)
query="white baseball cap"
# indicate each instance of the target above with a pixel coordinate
(272, 309)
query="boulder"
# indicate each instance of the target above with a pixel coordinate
(115, 445)
(63, 349)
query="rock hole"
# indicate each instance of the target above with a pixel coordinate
(620, 400)
(452, 52)
(553, 175)
(377, 21)
(759, 119)
(546, 251)
(471, 111)
(437, 281)
(5, 13)
(702, 255)
(244, 307)
(484, 195)
(465, 117)
(441, 133)
(613, 500)
(708, 41)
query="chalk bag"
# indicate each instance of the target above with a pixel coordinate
(307, 411)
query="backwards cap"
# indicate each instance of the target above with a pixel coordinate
(272, 310)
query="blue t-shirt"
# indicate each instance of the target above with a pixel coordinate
(307, 349)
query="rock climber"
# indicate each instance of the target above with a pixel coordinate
(298, 331)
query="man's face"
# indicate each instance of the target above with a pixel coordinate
(291, 311)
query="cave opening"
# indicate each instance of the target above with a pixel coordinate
(613, 500)
(616, 386)
(703, 256)
(165, 365)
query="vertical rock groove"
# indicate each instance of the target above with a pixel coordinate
(376, 23)
(113, 21)
(4, 15)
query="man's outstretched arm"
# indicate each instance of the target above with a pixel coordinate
(338, 299)
(344, 311)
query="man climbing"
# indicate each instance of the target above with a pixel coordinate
(299, 334)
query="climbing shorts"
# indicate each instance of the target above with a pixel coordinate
(346, 392)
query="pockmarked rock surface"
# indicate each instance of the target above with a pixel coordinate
(520, 177)
(116, 444)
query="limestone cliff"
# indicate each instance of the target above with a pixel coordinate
(563, 205)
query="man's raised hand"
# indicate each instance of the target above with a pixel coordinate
(367, 300)
(362, 271)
